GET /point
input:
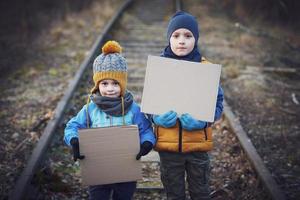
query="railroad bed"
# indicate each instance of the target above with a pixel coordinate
(142, 33)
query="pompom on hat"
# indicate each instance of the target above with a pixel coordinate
(110, 64)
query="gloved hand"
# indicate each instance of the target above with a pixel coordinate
(191, 124)
(75, 147)
(145, 149)
(166, 120)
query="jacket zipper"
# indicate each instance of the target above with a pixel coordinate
(110, 120)
(205, 133)
(180, 137)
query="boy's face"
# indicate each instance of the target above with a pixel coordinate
(109, 88)
(182, 42)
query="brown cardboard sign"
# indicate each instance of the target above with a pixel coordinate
(109, 155)
(182, 86)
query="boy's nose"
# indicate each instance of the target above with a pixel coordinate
(181, 40)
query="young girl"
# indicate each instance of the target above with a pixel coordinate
(111, 105)
(182, 141)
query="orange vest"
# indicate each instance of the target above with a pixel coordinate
(177, 139)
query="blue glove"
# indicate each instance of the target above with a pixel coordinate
(166, 120)
(191, 124)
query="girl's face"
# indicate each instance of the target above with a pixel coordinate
(182, 42)
(109, 88)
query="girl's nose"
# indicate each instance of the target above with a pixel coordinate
(110, 87)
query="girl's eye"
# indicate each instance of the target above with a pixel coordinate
(104, 83)
(116, 83)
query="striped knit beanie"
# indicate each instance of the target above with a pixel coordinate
(110, 65)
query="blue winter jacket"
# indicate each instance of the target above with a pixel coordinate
(219, 104)
(98, 118)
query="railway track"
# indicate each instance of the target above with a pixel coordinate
(142, 33)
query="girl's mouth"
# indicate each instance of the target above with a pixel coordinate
(111, 94)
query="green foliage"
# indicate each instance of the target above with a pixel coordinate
(53, 72)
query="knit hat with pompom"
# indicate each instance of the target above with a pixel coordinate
(110, 65)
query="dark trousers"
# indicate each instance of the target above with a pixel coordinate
(195, 165)
(120, 191)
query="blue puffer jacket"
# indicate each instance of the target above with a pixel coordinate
(98, 118)
(219, 104)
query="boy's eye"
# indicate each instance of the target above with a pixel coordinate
(188, 35)
(175, 35)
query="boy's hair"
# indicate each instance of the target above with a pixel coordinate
(183, 19)
(110, 65)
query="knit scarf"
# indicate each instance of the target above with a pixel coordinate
(112, 105)
(193, 56)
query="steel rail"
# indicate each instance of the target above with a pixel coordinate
(178, 5)
(20, 190)
(256, 161)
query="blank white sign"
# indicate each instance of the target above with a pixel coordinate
(182, 86)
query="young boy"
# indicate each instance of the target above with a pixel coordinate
(111, 105)
(182, 141)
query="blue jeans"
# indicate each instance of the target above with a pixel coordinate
(174, 166)
(120, 191)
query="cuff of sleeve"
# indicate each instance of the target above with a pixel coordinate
(209, 124)
(149, 139)
(68, 139)
(152, 120)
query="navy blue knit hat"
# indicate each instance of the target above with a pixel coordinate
(183, 20)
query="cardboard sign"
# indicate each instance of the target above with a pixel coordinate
(182, 86)
(109, 155)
